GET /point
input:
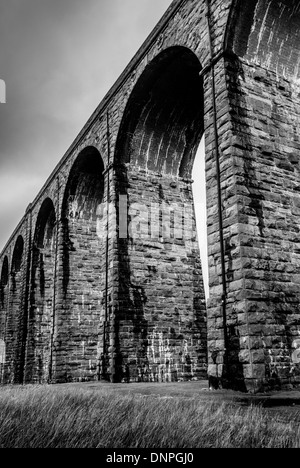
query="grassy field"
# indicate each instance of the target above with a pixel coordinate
(34, 417)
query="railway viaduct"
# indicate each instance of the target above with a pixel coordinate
(102, 277)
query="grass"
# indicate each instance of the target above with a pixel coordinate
(42, 417)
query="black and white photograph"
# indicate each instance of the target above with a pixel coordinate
(150, 226)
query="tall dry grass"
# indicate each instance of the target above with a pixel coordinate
(35, 417)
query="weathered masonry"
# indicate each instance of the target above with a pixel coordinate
(102, 278)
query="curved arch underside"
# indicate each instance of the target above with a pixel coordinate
(5, 272)
(3, 294)
(163, 121)
(18, 255)
(45, 225)
(13, 313)
(84, 190)
(267, 32)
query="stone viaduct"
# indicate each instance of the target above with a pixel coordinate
(100, 281)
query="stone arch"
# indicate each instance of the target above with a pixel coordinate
(15, 314)
(17, 258)
(266, 33)
(40, 323)
(157, 142)
(45, 225)
(85, 185)
(4, 285)
(3, 291)
(84, 242)
(4, 295)
(164, 118)
(5, 271)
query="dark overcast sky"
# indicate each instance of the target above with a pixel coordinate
(58, 59)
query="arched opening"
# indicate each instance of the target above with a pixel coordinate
(4, 284)
(14, 317)
(4, 272)
(161, 292)
(39, 342)
(164, 121)
(83, 266)
(3, 309)
(17, 258)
